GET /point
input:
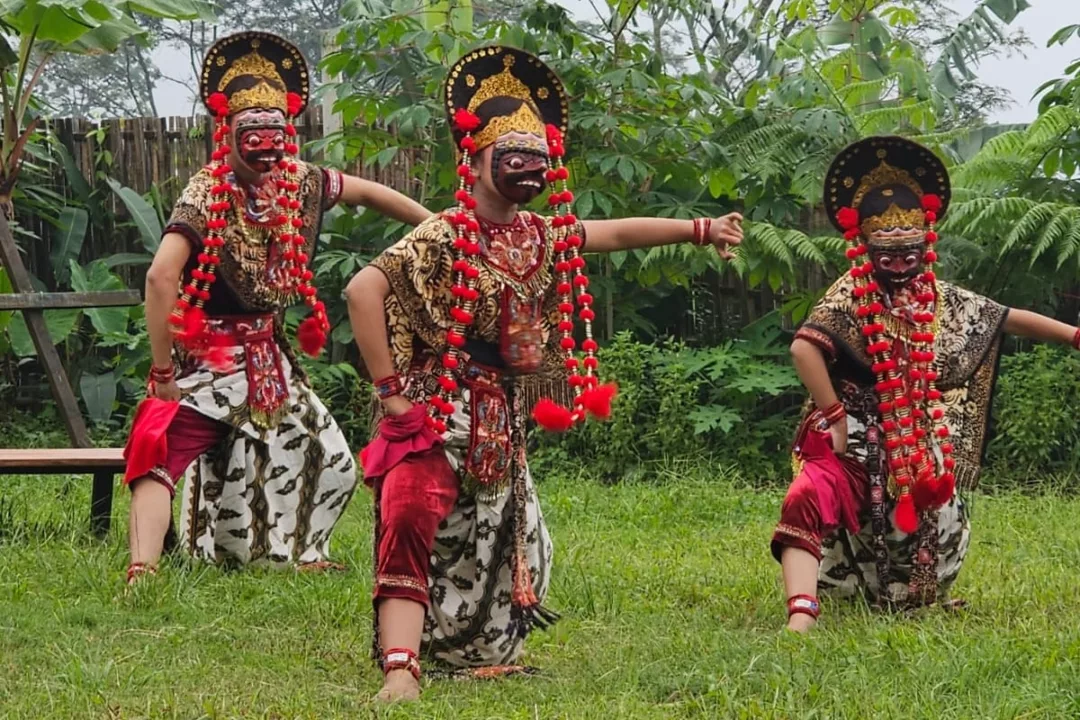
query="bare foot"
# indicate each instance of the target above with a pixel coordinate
(801, 623)
(399, 686)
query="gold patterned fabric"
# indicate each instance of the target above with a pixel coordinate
(419, 269)
(245, 261)
(967, 348)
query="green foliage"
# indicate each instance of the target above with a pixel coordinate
(144, 215)
(348, 396)
(1037, 429)
(33, 31)
(733, 404)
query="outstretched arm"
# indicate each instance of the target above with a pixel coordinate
(1039, 327)
(381, 199)
(603, 236)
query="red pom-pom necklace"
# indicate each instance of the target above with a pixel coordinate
(188, 317)
(590, 396)
(910, 407)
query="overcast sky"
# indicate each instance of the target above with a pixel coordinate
(1020, 74)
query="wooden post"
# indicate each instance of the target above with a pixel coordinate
(39, 333)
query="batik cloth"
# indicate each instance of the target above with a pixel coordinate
(476, 492)
(274, 489)
(863, 555)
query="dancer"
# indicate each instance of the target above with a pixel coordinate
(272, 472)
(467, 326)
(900, 368)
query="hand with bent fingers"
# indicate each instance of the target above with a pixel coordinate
(725, 232)
(169, 391)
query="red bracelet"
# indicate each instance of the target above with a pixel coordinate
(162, 375)
(834, 413)
(388, 387)
(1076, 339)
(805, 604)
(701, 231)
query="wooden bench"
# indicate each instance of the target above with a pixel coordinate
(103, 463)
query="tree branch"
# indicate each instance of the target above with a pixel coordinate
(147, 79)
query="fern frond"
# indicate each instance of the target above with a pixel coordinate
(961, 214)
(772, 241)
(868, 91)
(810, 176)
(1070, 246)
(1036, 216)
(885, 120)
(1055, 230)
(1051, 125)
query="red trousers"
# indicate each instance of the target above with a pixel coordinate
(176, 441)
(830, 492)
(413, 498)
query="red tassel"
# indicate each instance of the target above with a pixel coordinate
(847, 218)
(523, 595)
(218, 359)
(554, 136)
(598, 400)
(946, 489)
(931, 203)
(466, 121)
(551, 416)
(194, 328)
(294, 103)
(924, 494)
(218, 103)
(907, 521)
(311, 336)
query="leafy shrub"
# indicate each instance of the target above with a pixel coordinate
(733, 404)
(1036, 425)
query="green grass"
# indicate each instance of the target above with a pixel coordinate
(671, 609)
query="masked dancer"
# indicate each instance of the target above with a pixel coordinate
(467, 326)
(900, 367)
(271, 472)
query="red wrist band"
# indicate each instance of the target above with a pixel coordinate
(701, 231)
(805, 604)
(162, 375)
(388, 387)
(834, 413)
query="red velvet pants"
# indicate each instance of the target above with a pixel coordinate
(413, 498)
(829, 493)
(187, 435)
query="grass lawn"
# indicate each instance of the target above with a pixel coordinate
(671, 609)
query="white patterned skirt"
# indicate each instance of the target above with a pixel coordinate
(273, 491)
